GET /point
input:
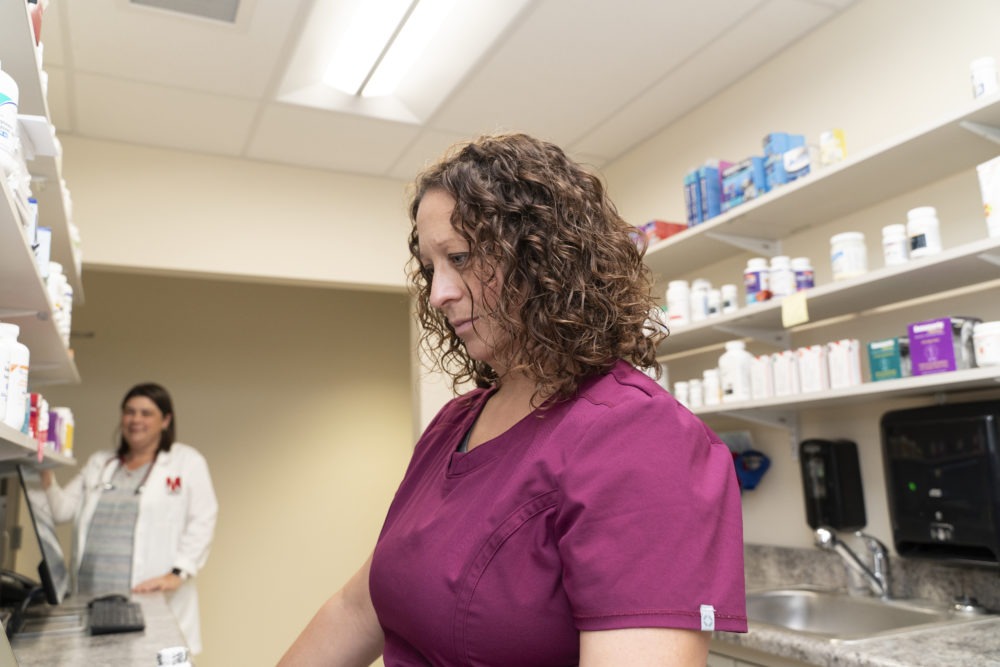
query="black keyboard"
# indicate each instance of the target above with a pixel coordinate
(115, 615)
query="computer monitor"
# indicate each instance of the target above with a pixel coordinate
(52, 570)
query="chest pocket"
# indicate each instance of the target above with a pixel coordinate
(512, 608)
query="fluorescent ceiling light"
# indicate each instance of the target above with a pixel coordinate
(382, 43)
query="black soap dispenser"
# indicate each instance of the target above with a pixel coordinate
(831, 482)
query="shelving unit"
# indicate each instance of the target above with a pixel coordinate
(20, 60)
(24, 301)
(934, 152)
(971, 264)
(916, 159)
(15, 448)
(23, 298)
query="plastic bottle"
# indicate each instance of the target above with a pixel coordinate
(984, 76)
(804, 276)
(924, 231)
(894, 245)
(699, 299)
(678, 303)
(714, 302)
(61, 297)
(711, 385)
(730, 298)
(8, 122)
(176, 656)
(782, 276)
(848, 255)
(756, 280)
(5, 352)
(17, 383)
(696, 394)
(734, 372)
(681, 393)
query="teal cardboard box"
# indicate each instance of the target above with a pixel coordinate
(888, 359)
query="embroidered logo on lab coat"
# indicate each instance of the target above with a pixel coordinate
(173, 484)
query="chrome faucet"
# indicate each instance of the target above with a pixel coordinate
(877, 577)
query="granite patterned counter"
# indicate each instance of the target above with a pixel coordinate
(60, 648)
(971, 644)
(976, 643)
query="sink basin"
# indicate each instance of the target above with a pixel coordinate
(836, 616)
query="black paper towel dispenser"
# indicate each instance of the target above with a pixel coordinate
(942, 473)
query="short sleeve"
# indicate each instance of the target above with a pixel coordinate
(649, 526)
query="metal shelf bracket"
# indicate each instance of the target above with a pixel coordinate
(783, 419)
(777, 337)
(985, 131)
(765, 247)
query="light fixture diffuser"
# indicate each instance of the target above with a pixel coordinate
(416, 33)
(381, 44)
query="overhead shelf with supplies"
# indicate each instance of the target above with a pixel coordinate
(958, 142)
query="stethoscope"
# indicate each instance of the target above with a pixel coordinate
(108, 485)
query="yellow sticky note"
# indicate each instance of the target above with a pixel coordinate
(794, 310)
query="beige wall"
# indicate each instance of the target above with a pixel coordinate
(300, 400)
(883, 69)
(160, 210)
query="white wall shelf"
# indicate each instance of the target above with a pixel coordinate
(889, 169)
(16, 447)
(920, 385)
(967, 265)
(25, 302)
(19, 58)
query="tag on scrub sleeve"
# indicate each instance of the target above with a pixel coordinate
(707, 617)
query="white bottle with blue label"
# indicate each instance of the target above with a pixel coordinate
(8, 122)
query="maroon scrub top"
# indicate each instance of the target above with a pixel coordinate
(617, 509)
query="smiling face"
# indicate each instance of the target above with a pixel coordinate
(142, 424)
(457, 287)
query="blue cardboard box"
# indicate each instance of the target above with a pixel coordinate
(692, 198)
(743, 181)
(710, 187)
(786, 158)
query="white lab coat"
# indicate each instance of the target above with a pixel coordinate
(176, 522)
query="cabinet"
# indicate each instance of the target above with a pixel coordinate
(23, 298)
(934, 152)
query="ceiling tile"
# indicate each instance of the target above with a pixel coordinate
(116, 38)
(325, 140)
(741, 48)
(157, 116)
(426, 149)
(542, 78)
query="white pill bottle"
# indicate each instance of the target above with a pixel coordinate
(734, 372)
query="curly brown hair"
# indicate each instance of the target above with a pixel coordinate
(575, 295)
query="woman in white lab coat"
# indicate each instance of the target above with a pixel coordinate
(144, 515)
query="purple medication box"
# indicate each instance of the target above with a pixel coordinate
(938, 346)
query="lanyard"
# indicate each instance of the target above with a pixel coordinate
(109, 485)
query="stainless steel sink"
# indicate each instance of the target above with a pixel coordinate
(840, 617)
